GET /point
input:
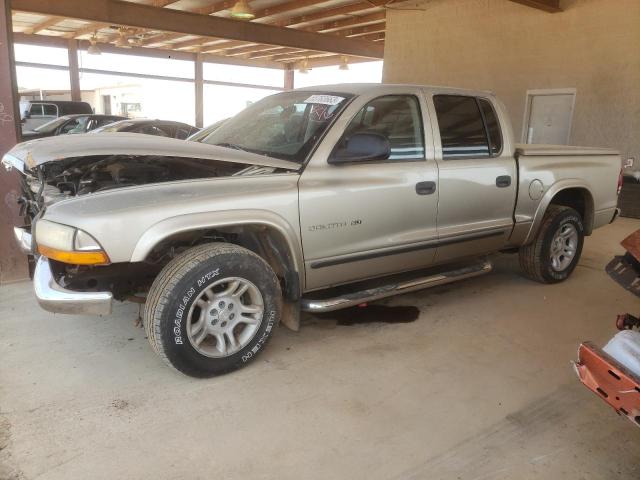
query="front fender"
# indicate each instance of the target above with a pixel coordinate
(208, 220)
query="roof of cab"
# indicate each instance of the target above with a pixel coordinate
(366, 88)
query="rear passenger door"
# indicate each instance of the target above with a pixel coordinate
(477, 177)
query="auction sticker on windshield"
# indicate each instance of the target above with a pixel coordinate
(324, 99)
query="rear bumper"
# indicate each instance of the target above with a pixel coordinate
(54, 298)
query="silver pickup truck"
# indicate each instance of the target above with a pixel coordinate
(309, 200)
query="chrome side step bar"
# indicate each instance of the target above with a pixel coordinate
(356, 298)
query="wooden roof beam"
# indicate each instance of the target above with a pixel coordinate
(51, 41)
(197, 42)
(221, 47)
(373, 36)
(334, 12)
(119, 12)
(215, 7)
(272, 53)
(551, 6)
(301, 55)
(350, 22)
(333, 60)
(376, 24)
(97, 26)
(45, 24)
(163, 3)
(162, 38)
(88, 30)
(252, 49)
(287, 7)
(362, 32)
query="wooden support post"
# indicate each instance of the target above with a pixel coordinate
(289, 74)
(199, 89)
(74, 74)
(13, 264)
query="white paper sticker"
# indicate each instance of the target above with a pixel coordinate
(324, 99)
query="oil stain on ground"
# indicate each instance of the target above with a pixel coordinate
(374, 314)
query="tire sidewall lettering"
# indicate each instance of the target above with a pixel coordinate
(179, 325)
(263, 339)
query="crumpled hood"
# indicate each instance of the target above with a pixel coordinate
(43, 150)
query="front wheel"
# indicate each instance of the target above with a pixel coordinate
(555, 252)
(212, 309)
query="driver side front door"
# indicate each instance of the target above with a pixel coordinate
(367, 219)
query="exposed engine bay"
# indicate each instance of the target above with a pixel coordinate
(58, 180)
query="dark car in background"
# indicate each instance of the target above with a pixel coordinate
(199, 136)
(70, 124)
(160, 128)
(38, 112)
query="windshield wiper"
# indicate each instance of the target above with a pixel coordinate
(235, 146)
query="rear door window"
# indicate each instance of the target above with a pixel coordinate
(462, 130)
(182, 133)
(35, 110)
(50, 110)
(169, 130)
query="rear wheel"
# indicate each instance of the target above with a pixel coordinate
(212, 309)
(555, 252)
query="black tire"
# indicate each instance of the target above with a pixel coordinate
(535, 258)
(183, 281)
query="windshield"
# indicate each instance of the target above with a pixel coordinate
(52, 125)
(285, 126)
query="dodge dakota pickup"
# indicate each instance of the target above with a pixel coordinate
(309, 200)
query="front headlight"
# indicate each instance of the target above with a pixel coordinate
(68, 244)
(9, 162)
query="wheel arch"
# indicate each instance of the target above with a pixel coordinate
(569, 193)
(266, 233)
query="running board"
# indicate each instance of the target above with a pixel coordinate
(351, 299)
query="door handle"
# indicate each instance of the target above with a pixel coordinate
(503, 181)
(425, 188)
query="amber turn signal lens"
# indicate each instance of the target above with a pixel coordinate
(74, 258)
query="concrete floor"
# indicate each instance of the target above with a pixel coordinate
(479, 387)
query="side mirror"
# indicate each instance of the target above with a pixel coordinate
(361, 147)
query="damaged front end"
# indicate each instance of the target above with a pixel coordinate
(54, 181)
(613, 372)
(55, 169)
